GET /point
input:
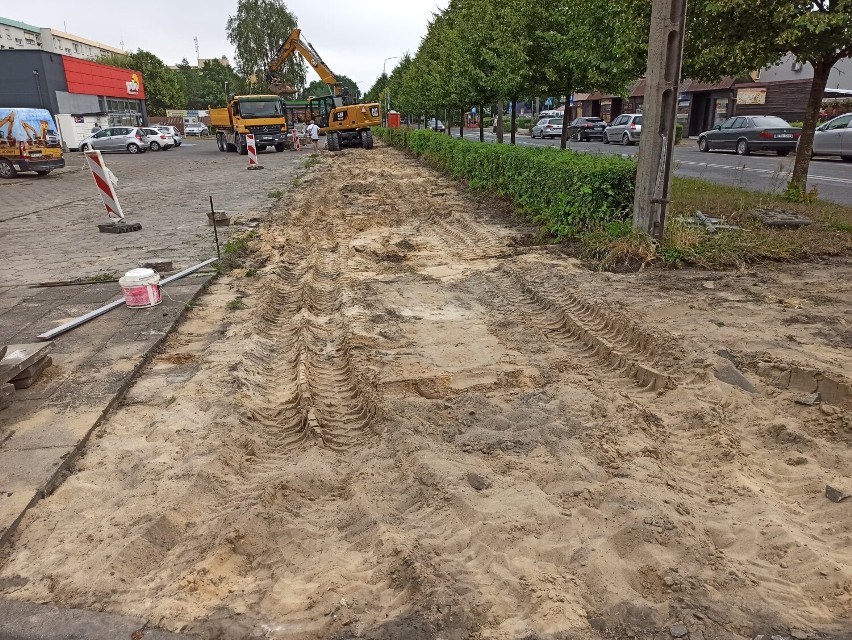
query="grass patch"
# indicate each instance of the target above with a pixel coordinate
(312, 161)
(616, 246)
(237, 304)
(103, 276)
(234, 252)
(275, 194)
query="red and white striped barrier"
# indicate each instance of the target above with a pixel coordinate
(105, 180)
(252, 152)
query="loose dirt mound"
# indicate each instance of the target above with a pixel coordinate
(423, 427)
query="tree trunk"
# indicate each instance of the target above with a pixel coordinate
(566, 119)
(514, 119)
(461, 124)
(481, 124)
(500, 122)
(799, 181)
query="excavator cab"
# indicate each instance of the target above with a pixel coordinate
(321, 109)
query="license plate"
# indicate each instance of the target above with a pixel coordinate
(783, 135)
(35, 154)
(598, 127)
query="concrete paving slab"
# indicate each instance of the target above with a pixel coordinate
(30, 470)
(20, 356)
(28, 621)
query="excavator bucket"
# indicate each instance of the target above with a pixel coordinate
(281, 89)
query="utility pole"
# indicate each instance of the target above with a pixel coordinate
(659, 114)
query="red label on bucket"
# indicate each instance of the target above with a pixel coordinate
(142, 296)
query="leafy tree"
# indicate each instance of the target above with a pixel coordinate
(163, 87)
(376, 92)
(199, 91)
(320, 88)
(734, 37)
(257, 31)
(220, 76)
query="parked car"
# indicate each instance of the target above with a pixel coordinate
(834, 138)
(585, 128)
(130, 139)
(547, 128)
(195, 129)
(745, 134)
(626, 129)
(157, 139)
(173, 131)
(436, 127)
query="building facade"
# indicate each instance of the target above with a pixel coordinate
(15, 36)
(79, 93)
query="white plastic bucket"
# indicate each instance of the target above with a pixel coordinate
(141, 288)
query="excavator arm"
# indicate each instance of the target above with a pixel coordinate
(294, 43)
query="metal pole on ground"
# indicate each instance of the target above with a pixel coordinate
(215, 229)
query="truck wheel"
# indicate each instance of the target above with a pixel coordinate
(6, 169)
(332, 141)
(279, 147)
(242, 146)
(220, 141)
(367, 139)
(231, 146)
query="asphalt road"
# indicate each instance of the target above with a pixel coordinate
(759, 172)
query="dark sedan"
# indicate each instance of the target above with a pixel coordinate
(585, 128)
(745, 134)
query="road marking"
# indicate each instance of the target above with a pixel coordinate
(786, 173)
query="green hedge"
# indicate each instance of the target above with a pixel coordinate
(678, 133)
(566, 192)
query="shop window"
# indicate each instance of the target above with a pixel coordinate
(18, 41)
(30, 41)
(67, 50)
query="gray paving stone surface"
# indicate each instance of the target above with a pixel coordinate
(48, 229)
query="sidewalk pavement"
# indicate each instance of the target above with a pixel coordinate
(49, 424)
(48, 232)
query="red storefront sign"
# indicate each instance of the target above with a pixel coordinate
(96, 79)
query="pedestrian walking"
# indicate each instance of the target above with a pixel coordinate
(313, 131)
(96, 128)
(296, 145)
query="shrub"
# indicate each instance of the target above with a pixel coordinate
(565, 192)
(678, 133)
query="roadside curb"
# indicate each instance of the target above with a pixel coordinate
(64, 470)
(28, 621)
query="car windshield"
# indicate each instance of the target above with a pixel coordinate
(770, 121)
(260, 109)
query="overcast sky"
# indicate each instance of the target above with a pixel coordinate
(353, 36)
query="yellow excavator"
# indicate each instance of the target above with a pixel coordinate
(343, 122)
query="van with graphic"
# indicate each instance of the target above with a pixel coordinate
(28, 142)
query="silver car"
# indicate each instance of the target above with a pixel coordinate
(547, 128)
(195, 129)
(625, 129)
(834, 138)
(130, 139)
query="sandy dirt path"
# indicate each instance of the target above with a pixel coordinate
(424, 426)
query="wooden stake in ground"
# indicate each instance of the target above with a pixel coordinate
(653, 176)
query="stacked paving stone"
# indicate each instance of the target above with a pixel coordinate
(21, 365)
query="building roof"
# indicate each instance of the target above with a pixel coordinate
(91, 43)
(20, 25)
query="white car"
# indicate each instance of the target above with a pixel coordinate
(173, 131)
(158, 139)
(834, 138)
(195, 129)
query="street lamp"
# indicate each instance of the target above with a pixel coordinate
(387, 95)
(226, 92)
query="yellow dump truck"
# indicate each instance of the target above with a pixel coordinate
(28, 142)
(260, 115)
